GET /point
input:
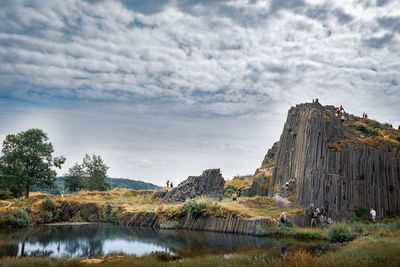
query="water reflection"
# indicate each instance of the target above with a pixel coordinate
(94, 240)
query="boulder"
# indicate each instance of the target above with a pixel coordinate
(209, 184)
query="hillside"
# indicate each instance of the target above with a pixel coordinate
(115, 183)
(338, 166)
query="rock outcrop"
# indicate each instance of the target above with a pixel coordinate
(339, 180)
(209, 184)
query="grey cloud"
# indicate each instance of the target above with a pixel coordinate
(147, 7)
(390, 23)
(378, 42)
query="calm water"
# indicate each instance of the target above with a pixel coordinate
(95, 240)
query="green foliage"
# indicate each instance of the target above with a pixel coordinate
(395, 136)
(367, 129)
(47, 217)
(201, 207)
(170, 225)
(28, 160)
(96, 172)
(362, 212)
(5, 194)
(374, 124)
(395, 225)
(16, 218)
(340, 232)
(112, 216)
(49, 205)
(74, 180)
(358, 228)
(228, 190)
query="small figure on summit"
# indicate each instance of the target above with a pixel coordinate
(341, 107)
(167, 183)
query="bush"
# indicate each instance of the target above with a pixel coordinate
(375, 124)
(49, 205)
(395, 225)
(366, 129)
(16, 218)
(358, 228)
(340, 232)
(48, 217)
(362, 212)
(202, 207)
(5, 194)
(228, 190)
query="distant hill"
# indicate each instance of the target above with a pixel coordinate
(115, 183)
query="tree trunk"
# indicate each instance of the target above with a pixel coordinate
(27, 191)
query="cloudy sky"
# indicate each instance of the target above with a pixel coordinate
(165, 89)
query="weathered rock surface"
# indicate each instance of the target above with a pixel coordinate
(339, 181)
(209, 184)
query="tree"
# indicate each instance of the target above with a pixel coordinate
(27, 160)
(96, 172)
(75, 180)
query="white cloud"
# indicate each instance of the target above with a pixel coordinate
(191, 67)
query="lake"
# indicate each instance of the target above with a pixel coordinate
(96, 240)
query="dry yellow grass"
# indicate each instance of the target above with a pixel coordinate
(240, 181)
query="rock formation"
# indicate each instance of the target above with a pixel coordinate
(339, 179)
(209, 184)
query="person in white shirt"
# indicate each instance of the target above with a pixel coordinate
(373, 214)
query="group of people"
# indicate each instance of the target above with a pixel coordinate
(340, 113)
(236, 195)
(169, 183)
(290, 182)
(365, 116)
(319, 217)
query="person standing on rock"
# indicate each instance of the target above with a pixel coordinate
(283, 219)
(373, 214)
(167, 183)
(172, 185)
(314, 215)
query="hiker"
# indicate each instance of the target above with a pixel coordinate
(363, 115)
(239, 192)
(287, 185)
(341, 107)
(314, 215)
(329, 221)
(283, 219)
(366, 116)
(373, 214)
(321, 219)
(337, 112)
(172, 185)
(342, 118)
(167, 183)
(234, 197)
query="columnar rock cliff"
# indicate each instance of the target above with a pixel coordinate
(339, 179)
(209, 184)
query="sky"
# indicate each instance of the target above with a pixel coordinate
(166, 89)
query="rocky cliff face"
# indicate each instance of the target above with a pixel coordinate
(339, 180)
(209, 184)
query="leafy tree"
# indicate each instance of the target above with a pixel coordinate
(27, 160)
(75, 180)
(96, 172)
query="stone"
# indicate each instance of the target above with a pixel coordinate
(209, 184)
(357, 175)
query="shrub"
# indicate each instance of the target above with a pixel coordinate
(375, 124)
(395, 225)
(47, 217)
(362, 212)
(5, 194)
(361, 127)
(202, 207)
(366, 129)
(340, 232)
(49, 205)
(358, 228)
(228, 190)
(259, 231)
(17, 218)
